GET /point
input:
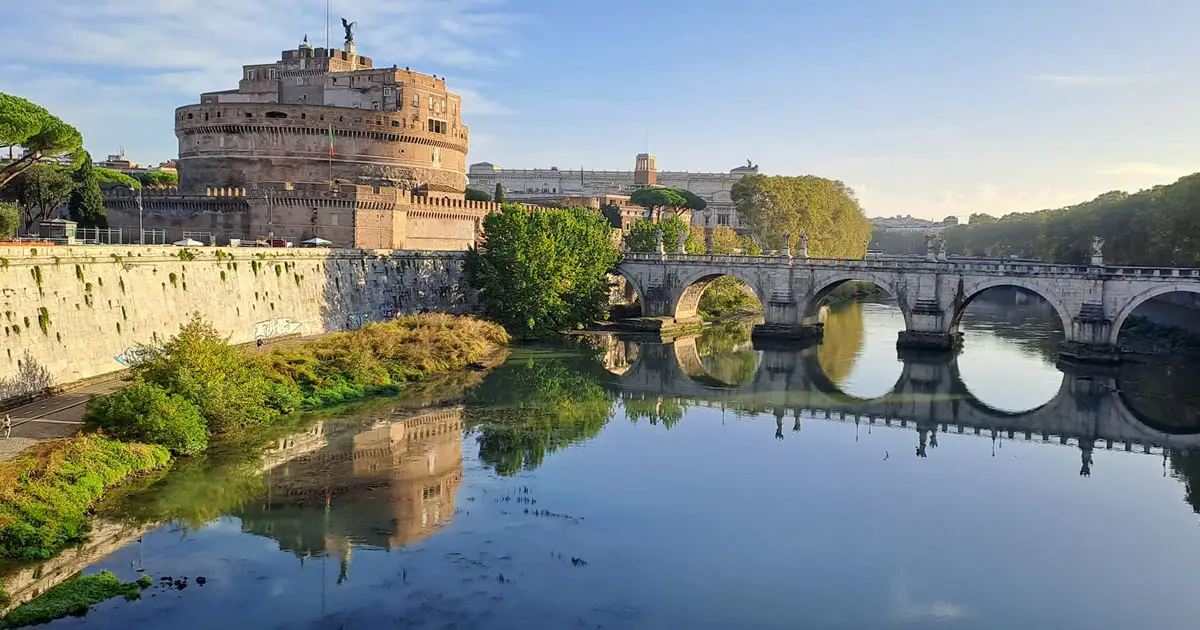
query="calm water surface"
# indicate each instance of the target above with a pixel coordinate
(703, 484)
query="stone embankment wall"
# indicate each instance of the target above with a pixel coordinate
(73, 313)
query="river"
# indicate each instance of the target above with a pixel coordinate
(701, 484)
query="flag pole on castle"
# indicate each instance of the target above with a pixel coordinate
(331, 154)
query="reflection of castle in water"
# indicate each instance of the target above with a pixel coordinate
(340, 485)
(930, 396)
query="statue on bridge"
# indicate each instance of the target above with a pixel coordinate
(681, 242)
(659, 239)
(804, 245)
(1097, 251)
(930, 253)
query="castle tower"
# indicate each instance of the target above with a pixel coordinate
(644, 173)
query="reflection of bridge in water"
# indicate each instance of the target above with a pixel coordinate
(1088, 411)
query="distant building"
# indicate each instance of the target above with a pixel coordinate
(528, 184)
(906, 224)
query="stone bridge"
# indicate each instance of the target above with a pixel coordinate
(1092, 301)
(930, 395)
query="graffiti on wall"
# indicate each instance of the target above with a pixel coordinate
(133, 354)
(278, 327)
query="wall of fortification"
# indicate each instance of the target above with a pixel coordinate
(355, 216)
(71, 313)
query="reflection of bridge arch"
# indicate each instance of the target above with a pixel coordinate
(930, 393)
(970, 292)
(1142, 298)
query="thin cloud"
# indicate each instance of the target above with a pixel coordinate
(1148, 169)
(1073, 80)
(130, 63)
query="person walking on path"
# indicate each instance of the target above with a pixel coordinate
(7, 426)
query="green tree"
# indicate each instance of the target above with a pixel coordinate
(110, 177)
(655, 199)
(474, 194)
(950, 221)
(980, 218)
(725, 240)
(539, 272)
(10, 220)
(40, 133)
(612, 212)
(86, 205)
(159, 179)
(643, 236)
(39, 190)
(692, 201)
(750, 246)
(825, 209)
(498, 196)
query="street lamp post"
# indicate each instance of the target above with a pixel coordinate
(137, 193)
(141, 232)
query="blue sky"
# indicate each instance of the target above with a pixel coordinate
(924, 107)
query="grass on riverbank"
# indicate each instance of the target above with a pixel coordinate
(381, 357)
(46, 491)
(74, 597)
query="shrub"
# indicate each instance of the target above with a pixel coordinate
(46, 491)
(147, 413)
(230, 390)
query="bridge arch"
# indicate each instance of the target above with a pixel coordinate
(632, 282)
(973, 291)
(1142, 298)
(687, 305)
(826, 286)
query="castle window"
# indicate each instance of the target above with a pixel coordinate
(333, 219)
(273, 73)
(249, 114)
(395, 123)
(276, 115)
(303, 116)
(722, 219)
(189, 116)
(387, 91)
(437, 126)
(249, 75)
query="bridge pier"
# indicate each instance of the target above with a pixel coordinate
(929, 340)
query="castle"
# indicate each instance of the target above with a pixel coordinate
(537, 183)
(319, 144)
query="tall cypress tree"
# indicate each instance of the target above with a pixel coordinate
(499, 196)
(87, 205)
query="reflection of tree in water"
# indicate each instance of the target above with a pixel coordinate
(1162, 393)
(842, 342)
(528, 409)
(726, 353)
(668, 411)
(1187, 470)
